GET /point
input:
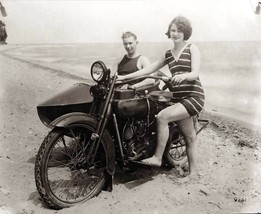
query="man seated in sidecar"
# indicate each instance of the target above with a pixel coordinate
(132, 62)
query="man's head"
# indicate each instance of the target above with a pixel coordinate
(130, 42)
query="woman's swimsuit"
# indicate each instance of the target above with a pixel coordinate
(189, 93)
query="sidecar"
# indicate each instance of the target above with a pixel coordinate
(75, 99)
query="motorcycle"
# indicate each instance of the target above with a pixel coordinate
(93, 128)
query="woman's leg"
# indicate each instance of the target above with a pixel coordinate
(172, 113)
(186, 126)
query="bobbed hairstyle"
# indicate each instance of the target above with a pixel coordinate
(183, 25)
(128, 34)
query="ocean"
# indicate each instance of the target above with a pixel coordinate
(230, 71)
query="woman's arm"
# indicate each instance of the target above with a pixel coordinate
(195, 66)
(195, 63)
(145, 71)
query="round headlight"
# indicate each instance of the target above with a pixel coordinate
(98, 71)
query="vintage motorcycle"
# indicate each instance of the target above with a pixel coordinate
(93, 128)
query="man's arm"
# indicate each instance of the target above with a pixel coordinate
(144, 62)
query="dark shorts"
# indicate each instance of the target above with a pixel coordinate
(193, 105)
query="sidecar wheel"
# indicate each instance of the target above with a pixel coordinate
(64, 174)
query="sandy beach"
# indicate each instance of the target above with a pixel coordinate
(229, 153)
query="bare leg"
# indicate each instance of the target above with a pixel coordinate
(172, 113)
(187, 128)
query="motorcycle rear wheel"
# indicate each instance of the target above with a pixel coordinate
(175, 152)
(64, 174)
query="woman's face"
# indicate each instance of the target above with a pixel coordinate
(175, 34)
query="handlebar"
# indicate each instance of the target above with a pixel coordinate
(163, 78)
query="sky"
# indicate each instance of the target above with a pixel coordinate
(84, 21)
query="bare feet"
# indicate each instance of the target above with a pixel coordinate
(152, 161)
(180, 171)
(181, 162)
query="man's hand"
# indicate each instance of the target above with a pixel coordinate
(120, 78)
(131, 87)
(125, 86)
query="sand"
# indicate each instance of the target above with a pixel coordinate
(229, 154)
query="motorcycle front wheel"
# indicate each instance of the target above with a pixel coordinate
(65, 173)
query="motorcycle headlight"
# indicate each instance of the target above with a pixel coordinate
(98, 71)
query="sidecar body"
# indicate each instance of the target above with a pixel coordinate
(75, 99)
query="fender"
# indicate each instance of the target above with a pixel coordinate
(83, 118)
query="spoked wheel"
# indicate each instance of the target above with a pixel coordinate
(64, 171)
(175, 152)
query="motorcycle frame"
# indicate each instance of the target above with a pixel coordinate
(103, 118)
(108, 113)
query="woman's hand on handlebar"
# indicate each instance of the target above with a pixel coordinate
(178, 78)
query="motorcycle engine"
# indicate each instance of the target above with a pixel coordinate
(137, 137)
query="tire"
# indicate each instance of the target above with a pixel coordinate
(64, 174)
(175, 151)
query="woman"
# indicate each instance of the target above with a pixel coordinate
(188, 96)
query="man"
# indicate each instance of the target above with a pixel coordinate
(132, 61)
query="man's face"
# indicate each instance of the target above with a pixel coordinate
(130, 44)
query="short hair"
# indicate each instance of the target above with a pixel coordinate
(128, 34)
(183, 24)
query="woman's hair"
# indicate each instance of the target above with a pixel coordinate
(128, 34)
(183, 25)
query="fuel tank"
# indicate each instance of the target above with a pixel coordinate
(139, 106)
(136, 107)
(75, 99)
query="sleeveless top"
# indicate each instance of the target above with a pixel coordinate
(186, 88)
(128, 65)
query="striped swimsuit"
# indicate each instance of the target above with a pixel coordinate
(189, 93)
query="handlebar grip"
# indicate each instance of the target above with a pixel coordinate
(166, 79)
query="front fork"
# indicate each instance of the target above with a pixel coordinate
(96, 136)
(103, 120)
